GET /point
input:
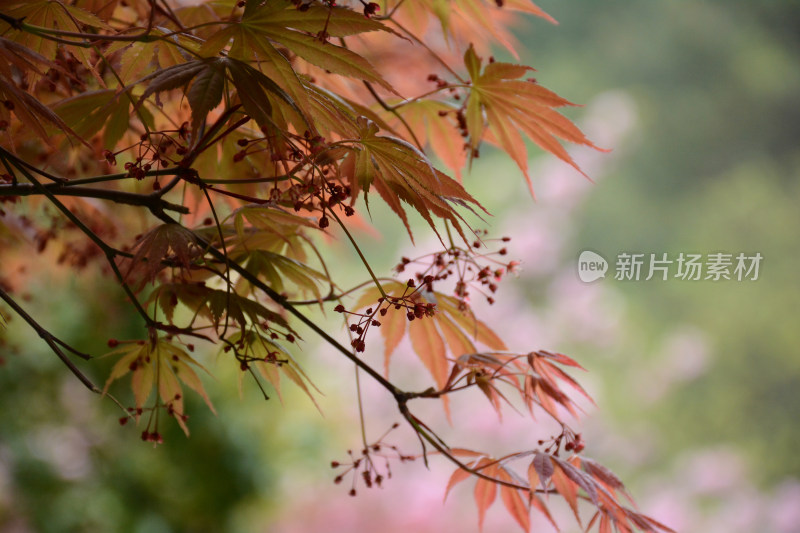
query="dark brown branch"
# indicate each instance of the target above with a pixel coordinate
(119, 197)
(52, 341)
(401, 397)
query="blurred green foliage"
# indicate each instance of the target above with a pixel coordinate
(712, 165)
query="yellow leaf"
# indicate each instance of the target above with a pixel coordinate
(130, 353)
(143, 378)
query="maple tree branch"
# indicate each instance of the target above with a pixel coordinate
(400, 396)
(391, 12)
(235, 181)
(89, 38)
(50, 33)
(284, 302)
(417, 98)
(361, 255)
(362, 423)
(46, 335)
(444, 449)
(119, 197)
(393, 110)
(53, 342)
(56, 344)
(333, 297)
(429, 50)
(121, 176)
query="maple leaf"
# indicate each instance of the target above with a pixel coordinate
(270, 228)
(271, 359)
(485, 490)
(471, 19)
(140, 57)
(334, 114)
(160, 364)
(336, 21)
(89, 112)
(262, 26)
(544, 387)
(426, 118)
(208, 76)
(276, 269)
(513, 107)
(449, 328)
(54, 15)
(514, 500)
(402, 173)
(30, 111)
(215, 305)
(161, 246)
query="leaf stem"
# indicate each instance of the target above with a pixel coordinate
(358, 251)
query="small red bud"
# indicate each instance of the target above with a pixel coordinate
(370, 9)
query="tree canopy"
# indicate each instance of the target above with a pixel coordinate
(201, 156)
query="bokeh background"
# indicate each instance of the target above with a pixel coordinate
(697, 382)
